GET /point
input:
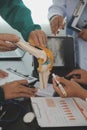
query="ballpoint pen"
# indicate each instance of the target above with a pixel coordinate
(60, 85)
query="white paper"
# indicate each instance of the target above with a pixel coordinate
(12, 77)
(46, 92)
(59, 112)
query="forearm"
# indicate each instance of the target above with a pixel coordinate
(19, 17)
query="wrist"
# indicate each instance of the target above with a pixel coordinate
(53, 17)
(84, 95)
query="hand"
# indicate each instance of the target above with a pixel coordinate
(17, 89)
(5, 42)
(3, 74)
(38, 38)
(56, 23)
(72, 88)
(83, 34)
(82, 73)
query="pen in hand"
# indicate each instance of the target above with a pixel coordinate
(60, 85)
(64, 22)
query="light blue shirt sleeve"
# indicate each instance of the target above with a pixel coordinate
(57, 8)
(66, 8)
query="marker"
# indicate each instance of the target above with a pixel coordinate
(64, 22)
(60, 86)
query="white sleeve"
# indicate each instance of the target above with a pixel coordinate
(57, 8)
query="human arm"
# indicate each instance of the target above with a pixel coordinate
(56, 24)
(17, 89)
(72, 88)
(56, 13)
(5, 41)
(19, 17)
(82, 76)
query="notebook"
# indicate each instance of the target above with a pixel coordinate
(15, 54)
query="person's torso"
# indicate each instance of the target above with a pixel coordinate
(71, 6)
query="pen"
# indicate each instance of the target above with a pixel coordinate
(78, 76)
(60, 86)
(2, 114)
(64, 22)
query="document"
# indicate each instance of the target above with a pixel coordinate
(59, 112)
(46, 92)
(14, 75)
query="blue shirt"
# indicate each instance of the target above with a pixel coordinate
(66, 8)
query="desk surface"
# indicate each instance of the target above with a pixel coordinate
(18, 124)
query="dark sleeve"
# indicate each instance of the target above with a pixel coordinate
(15, 13)
(2, 98)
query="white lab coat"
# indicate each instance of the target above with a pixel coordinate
(66, 8)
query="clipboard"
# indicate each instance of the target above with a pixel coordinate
(15, 75)
(59, 112)
(79, 17)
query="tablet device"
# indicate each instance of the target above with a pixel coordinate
(63, 51)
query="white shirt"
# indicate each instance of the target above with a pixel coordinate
(66, 8)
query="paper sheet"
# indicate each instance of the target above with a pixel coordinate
(46, 92)
(13, 76)
(59, 112)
